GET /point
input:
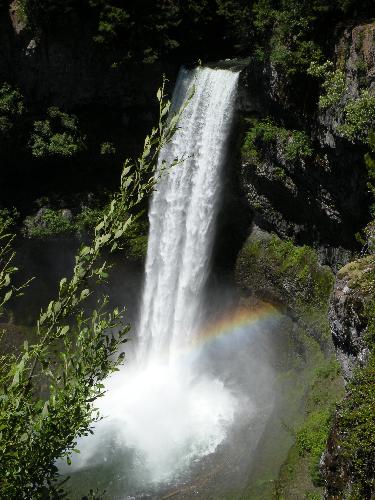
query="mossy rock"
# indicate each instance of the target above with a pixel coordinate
(291, 276)
(351, 309)
(360, 275)
(349, 463)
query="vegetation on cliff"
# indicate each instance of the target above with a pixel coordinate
(291, 275)
(349, 463)
(125, 39)
(48, 142)
(293, 144)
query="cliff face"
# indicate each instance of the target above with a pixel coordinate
(113, 103)
(318, 197)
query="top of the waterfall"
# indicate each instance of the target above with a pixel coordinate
(235, 65)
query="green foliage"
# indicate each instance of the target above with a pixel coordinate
(289, 32)
(48, 222)
(143, 30)
(334, 83)
(287, 27)
(48, 390)
(311, 439)
(321, 389)
(359, 117)
(238, 15)
(112, 19)
(370, 164)
(58, 135)
(356, 424)
(7, 219)
(88, 218)
(11, 107)
(7, 269)
(359, 114)
(136, 241)
(295, 144)
(107, 148)
(355, 419)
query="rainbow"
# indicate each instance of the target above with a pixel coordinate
(236, 322)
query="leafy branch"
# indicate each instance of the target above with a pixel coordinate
(47, 395)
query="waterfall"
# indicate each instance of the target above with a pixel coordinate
(164, 406)
(183, 213)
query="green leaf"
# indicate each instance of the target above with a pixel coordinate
(62, 283)
(45, 410)
(85, 250)
(64, 330)
(24, 437)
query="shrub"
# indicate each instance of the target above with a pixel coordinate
(107, 148)
(359, 117)
(11, 107)
(354, 426)
(111, 20)
(333, 86)
(295, 144)
(58, 135)
(48, 222)
(311, 439)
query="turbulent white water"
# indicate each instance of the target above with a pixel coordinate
(183, 213)
(164, 406)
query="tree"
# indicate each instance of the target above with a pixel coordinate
(48, 390)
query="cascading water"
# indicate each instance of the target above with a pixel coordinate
(183, 212)
(163, 406)
(179, 415)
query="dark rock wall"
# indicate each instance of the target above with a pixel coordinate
(321, 200)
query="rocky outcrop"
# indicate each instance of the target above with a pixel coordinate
(348, 316)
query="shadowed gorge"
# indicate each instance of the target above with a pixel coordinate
(187, 236)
